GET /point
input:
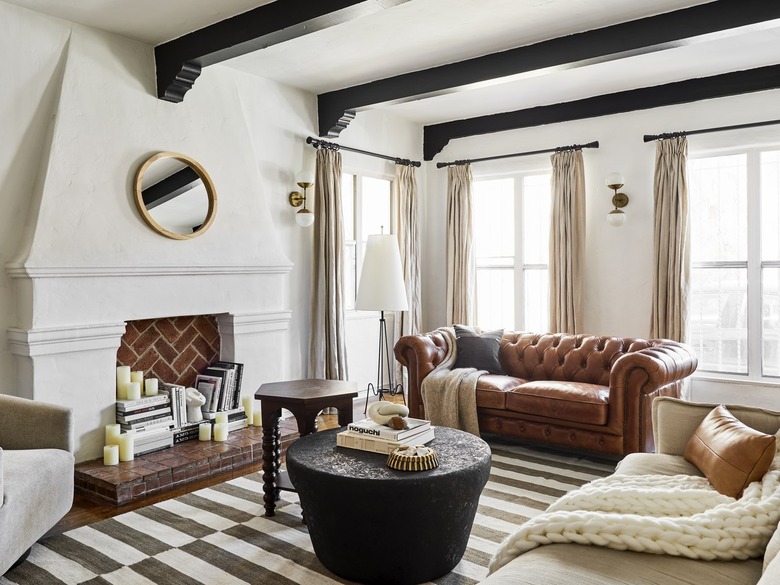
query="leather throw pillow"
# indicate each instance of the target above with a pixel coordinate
(478, 350)
(729, 453)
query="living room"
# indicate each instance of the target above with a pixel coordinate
(80, 114)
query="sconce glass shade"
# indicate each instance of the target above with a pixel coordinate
(304, 217)
(616, 217)
(381, 285)
(304, 179)
(615, 180)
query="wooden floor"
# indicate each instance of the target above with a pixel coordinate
(85, 511)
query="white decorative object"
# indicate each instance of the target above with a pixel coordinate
(194, 401)
(381, 412)
(204, 432)
(133, 390)
(111, 455)
(221, 418)
(137, 376)
(126, 446)
(220, 432)
(122, 379)
(257, 418)
(151, 387)
(249, 407)
(112, 434)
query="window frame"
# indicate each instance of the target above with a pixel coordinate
(358, 229)
(518, 264)
(754, 266)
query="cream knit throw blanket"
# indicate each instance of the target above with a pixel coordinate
(449, 396)
(675, 515)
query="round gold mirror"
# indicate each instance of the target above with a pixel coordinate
(175, 195)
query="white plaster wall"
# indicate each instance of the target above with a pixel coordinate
(618, 274)
(82, 115)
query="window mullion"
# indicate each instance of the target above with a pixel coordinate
(519, 272)
(754, 266)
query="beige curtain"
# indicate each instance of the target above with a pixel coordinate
(671, 251)
(408, 322)
(567, 241)
(327, 348)
(461, 267)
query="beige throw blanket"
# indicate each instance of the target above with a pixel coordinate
(674, 515)
(449, 396)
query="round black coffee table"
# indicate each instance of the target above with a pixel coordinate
(372, 524)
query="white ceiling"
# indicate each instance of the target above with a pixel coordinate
(420, 34)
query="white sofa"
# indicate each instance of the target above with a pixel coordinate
(674, 421)
(36, 473)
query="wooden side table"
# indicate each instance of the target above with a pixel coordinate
(305, 399)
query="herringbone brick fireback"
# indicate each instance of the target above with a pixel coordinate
(174, 350)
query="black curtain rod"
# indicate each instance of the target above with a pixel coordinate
(316, 143)
(594, 144)
(667, 135)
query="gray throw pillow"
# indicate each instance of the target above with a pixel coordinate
(478, 350)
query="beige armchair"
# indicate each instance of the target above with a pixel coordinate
(36, 473)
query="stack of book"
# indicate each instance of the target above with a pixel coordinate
(220, 384)
(366, 435)
(149, 413)
(150, 441)
(237, 418)
(176, 392)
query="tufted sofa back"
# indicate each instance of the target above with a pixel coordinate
(560, 356)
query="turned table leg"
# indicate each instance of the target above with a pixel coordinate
(270, 458)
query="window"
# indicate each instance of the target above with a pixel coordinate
(504, 232)
(734, 313)
(366, 204)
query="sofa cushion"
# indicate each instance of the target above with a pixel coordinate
(477, 350)
(492, 390)
(570, 564)
(730, 453)
(572, 401)
(656, 464)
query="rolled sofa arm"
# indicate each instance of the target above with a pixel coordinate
(420, 354)
(28, 424)
(664, 362)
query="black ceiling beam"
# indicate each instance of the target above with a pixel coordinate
(653, 33)
(436, 136)
(180, 61)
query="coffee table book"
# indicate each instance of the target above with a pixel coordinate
(362, 442)
(370, 428)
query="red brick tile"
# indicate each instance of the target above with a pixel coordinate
(125, 356)
(185, 358)
(147, 361)
(166, 350)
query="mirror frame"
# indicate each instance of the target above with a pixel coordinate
(207, 183)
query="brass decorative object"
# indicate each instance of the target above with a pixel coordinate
(413, 458)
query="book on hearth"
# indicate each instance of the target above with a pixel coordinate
(373, 429)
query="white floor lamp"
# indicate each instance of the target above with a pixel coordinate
(382, 289)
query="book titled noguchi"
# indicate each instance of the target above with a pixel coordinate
(372, 429)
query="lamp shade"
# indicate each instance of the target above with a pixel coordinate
(616, 217)
(304, 217)
(381, 285)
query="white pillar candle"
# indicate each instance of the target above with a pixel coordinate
(111, 455)
(204, 432)
(121, 391)
(249, 407)
(137, 376)
(257, 419)
(133, 390)
(150, 387)
(122, 375)
(220, 432)
(112, 434)
(126, 446)
(221, 418)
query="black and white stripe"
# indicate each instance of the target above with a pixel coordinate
(219, 535)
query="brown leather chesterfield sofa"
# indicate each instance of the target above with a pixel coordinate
(576, 391)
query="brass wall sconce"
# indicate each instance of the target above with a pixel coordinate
(305, 180)
(617, 216)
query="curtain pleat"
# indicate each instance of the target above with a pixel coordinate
(408, 322)
(671, 250)
(461, 267)
(327, 347)
(567, 241)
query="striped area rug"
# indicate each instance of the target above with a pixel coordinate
(218, 535)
